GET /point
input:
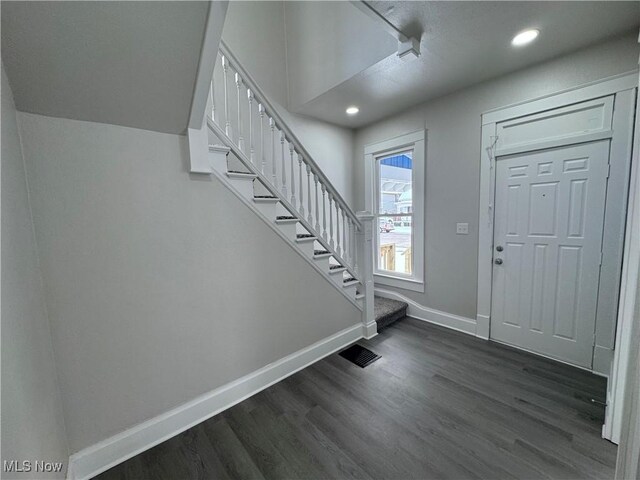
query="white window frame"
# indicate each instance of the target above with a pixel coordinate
(415, 141)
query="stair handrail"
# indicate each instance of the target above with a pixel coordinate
(273, 113)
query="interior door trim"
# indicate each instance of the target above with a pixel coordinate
(624, 88)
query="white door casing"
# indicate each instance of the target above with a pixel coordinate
(549, 213)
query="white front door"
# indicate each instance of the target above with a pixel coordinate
(549, 213)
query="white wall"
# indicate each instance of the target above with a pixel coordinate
(32, 420)
(160, 286)
(125, 63)
(254, 31)
(256, 34)
(453, 161)
(315, 32)
(331, 148)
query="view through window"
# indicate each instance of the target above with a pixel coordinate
(394, 214)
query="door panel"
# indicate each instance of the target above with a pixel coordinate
(549, 216)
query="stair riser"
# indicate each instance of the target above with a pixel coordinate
(267, 209)
(351, 291)
(218, 161)
(243, 186)
(323, 263)
(307, 248)
(289, 229)
(337, 278)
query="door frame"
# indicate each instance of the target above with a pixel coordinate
(624, 88)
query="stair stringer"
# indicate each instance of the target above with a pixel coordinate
(217, 156)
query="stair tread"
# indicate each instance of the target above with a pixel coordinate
(265, 196)
(241, 173)
(305, 235)
(286, 217)
(350, 279)
(333, 267)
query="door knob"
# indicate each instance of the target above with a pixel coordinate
(499, 248)
(498, 261)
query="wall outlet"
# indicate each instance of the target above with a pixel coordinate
(462, 228)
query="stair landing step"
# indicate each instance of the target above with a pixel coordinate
(388, 311)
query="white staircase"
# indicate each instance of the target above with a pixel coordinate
(256, 155)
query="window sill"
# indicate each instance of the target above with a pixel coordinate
(403, 283)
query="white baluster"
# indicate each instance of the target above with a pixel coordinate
(309, 217)
(212, 97)
(324, 212)
(300, 185)
(350, 223)
(354, 251)
(251, 149)
(240, 137)
(338, 230)
(344, 236)
(262, 156)
(354, 246)
(274, 180)
(293, 178)
(284, 169)
(225, 69)
(330, 221)
(317, 226)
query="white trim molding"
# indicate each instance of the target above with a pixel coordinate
(431, 315)
(615, 94)
(210, 42)
(114, 450)
(416, 141)
(628, 328)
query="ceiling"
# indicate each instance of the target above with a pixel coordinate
(464, 43)
(124, 63)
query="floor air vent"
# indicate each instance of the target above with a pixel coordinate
(359, 355)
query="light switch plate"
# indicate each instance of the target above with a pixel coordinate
(462, 228)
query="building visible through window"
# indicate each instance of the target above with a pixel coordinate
(395, 213)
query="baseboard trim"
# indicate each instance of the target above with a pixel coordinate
(100, 457)
(431, 315)
(370, 330)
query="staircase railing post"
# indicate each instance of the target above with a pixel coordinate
(365, 251)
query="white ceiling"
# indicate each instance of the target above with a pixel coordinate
(464, 43)
(124, 63)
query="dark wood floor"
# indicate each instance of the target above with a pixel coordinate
(439, 404)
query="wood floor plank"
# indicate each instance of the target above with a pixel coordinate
(438, 404)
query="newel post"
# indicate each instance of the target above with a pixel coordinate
(365, 250)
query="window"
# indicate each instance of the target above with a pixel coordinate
(394, 175)
(395, 196)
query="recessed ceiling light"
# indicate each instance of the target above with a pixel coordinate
(352, 110)
(525, 37)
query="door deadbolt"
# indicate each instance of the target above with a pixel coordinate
(498, 261)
